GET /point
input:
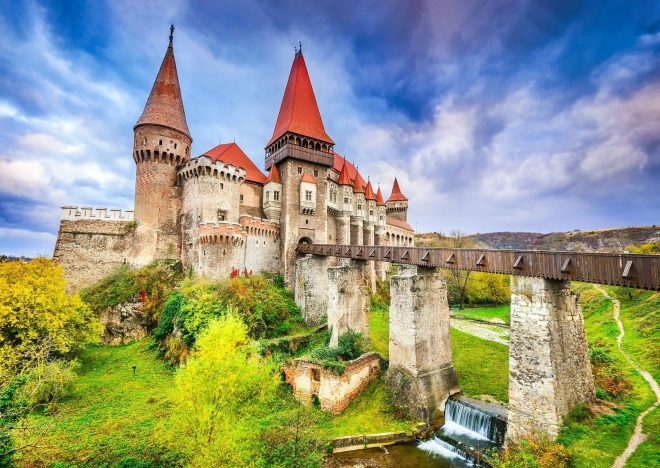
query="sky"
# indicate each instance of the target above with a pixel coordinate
(494, 115)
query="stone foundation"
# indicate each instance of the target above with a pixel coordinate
(421, 376)
(348, 298)
(549, 369)
(123, 323)
(334, 391)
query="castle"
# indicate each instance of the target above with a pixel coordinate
(218, 212)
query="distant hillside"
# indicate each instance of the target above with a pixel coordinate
(600, 240)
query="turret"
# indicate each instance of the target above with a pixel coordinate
(307, 195)
(380, 209)
(161, 142)
(370, 201)
(272, 202)
(345, 192)
(359, 207)
(397, 204)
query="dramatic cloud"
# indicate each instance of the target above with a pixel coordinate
(506, 115)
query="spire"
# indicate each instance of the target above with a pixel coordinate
(273, 175)
(299, 112)
(396, 193)
(369, 192)
(165, 105)
(344, 179)
(358, 183)
(379, 198)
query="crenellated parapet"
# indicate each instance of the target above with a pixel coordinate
(206, 166)
(222, 232)
(73, 213)
(259, 227)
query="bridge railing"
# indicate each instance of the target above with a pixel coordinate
(630, 270)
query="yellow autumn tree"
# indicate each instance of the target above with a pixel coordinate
(35, 307)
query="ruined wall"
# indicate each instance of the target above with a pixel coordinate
(88, 249)
(348, 298)
(334, 391)
(311, 289)
(549, 369)
(421, 374)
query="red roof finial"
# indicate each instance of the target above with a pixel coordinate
(299, 112)
(396, 193)
(344, 179)
(379, 197)
(273, 175)
(369, 192)
(165, 104)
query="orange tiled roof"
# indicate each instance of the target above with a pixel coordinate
(369, 192)
(397, 223)
(396, 193)
(343, 175)
(273, 175)
(299, 112)
(379, 198)
(165, 105)
(308, 178)
(231, 153)
(358, 183)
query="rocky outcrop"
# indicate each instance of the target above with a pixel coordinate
(123, 323)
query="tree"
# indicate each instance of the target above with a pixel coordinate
(459, 280)
(222, 395)
(488, 288)
(34, 307)
(648, 248)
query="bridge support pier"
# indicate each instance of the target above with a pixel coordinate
(421, 374)
(348, 298)
(311, 287)
(549, 369)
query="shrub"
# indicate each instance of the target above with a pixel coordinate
(534, 452)
(609, 378)
(350, 346)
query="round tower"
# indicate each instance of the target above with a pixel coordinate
(162, 141)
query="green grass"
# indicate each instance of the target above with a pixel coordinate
(501, 314)
(482, 366)
(379, 331)
(112, 414)
(597, 444)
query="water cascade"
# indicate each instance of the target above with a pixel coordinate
(471, 429)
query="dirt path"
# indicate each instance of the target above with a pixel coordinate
(638, 436)
(494, 333)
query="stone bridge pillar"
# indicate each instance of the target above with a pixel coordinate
(348, 298)
(311, 288)
(549, 369)
(421, 375)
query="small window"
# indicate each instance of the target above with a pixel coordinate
(160, 142)
(346, 200)
(276, 195)
(308, 195)
(307, 221)
(299, 170)
(381, 217)
(187, 150)
(371, 212)
(359, 207)
(267, 195)
(316, 375)
(221, 215)
(174, 145)
(241, 198)
(222, 185)
(316, 173)
(144, 142)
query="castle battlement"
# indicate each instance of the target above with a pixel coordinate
(206, 166)
(221, 232)
(259, 227)
(73, 213)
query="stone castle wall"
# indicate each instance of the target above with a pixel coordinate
(312, 288)
(88, 249)
(348, 298)
(251, 204)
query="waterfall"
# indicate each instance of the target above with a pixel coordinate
(464, 415)
(439, 446)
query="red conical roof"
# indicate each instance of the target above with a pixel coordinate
(379, 198)
(358, 183)
(308, 178)
(165, 105)
(231, 153)
(273, 175)
(369, 192)
(299, 112)
(396, 193)
(343, 176)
